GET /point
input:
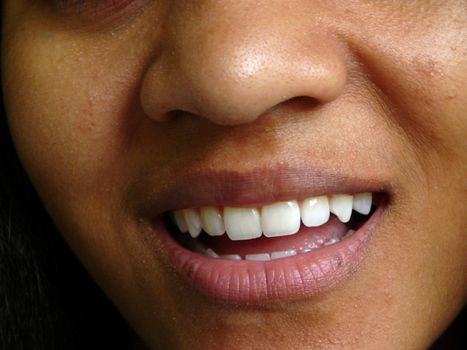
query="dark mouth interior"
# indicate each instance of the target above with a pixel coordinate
(204, 240)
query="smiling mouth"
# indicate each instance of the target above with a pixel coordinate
(273, 231)
(265, 235)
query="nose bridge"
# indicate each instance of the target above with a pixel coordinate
(233, 63)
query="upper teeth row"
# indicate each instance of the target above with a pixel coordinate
(272, 220)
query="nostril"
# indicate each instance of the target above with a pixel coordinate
(235, 76)
(295, 105)
(301, 103)
(175, 114)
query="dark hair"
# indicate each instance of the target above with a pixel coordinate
(47, 300)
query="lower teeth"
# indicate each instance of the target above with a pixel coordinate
(211, 253)
(201, 248)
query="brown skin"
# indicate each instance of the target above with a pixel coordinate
(385, 82)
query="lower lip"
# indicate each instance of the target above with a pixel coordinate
(260, 282)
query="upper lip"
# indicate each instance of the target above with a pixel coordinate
(221, 187)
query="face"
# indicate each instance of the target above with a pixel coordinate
(260, 119)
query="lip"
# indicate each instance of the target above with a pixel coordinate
(259, 282)
(194, 187)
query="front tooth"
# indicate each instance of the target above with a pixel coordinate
(280, 219)
(341, 206)
(362, 203)
(193, 222)
(180, 220)
(315, 211)
(258, 257)
(242, 223)
(211, 221)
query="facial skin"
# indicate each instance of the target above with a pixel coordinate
(371, 88)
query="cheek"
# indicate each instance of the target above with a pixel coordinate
(70, 113)
(73, 113)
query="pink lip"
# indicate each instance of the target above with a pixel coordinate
(258, 282)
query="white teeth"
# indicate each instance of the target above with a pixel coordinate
(280, 219)
(362, 203)
(258, 257)
(193, 222)
(180, 220)
(211, 253)
(286, 253)
(212, 222)
(242, 223)
(274, 255)
(272, 220)
(341, 206)
(315, 211)
(231, 257)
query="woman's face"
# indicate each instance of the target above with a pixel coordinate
(124, 111)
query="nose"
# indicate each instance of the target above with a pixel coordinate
(232, 63)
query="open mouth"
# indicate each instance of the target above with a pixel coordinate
(264, 236)
(273, 231)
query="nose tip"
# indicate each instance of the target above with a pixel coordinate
(235, 80)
